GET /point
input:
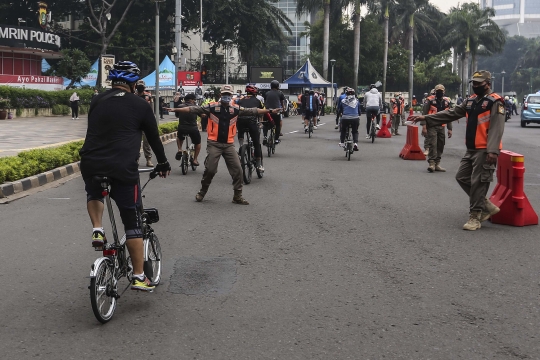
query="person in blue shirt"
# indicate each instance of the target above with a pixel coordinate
(350, 111)
(341, 97)
(312, 109)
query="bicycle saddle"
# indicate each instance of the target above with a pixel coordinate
(98, 179)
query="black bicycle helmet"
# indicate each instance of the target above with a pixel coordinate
(124, 71)
(190, 96)
(274, 84)
(350, 91)
(371, 86)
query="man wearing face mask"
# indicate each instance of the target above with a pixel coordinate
(222, 119)
(141, 86)
(485, 114)
(435, 136)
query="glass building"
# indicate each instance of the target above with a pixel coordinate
(298, 45)
(518, 17)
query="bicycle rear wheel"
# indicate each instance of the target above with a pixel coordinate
(372, 134)
(185, 163)
(193, 167)
(103, 291)
(270, 142)
(274, 141)
(152, 263)
(349, 151)
(246, 163)
(259, 173)
(310, 129)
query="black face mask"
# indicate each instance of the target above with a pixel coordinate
(140, 88)
(439, 94)
(480, 90)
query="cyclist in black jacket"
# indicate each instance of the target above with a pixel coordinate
(250, 123)
(116, 121)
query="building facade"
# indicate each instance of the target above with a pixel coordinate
(298, 44)
(518, 17)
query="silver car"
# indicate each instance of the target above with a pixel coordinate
(530, 112)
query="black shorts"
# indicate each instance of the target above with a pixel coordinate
(193, 133)
(128, 199)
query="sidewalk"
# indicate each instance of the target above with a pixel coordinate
(21, 134)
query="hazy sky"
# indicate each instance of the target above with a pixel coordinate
(445, 5)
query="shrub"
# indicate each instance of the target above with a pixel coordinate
(36, 161)
(60, 109)
(33, 98)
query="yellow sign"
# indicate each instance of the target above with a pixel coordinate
(267, 74)
(42, 14)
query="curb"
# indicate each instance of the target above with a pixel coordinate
(32, 182)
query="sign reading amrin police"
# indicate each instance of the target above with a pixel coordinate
(24, 37)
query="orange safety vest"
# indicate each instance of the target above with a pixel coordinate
(434, 106)
(396, 104)
(478, 120)
(222, 123)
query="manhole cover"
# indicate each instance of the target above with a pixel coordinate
(203, 276)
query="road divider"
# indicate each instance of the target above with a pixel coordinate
(384, 132)
(411, 150)
(509, 195)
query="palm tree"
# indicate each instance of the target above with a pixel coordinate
(472, 31)
(383, 7)
(410, 16)
(307, 6)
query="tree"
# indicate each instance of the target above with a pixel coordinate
(413, 15)
(74, 65)
(100, 12)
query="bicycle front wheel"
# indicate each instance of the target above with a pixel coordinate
(310, 129)
(259, 173)
(152, 262)
(246, 164)
(193, 167)
(103, 291)
(349, 151)
(185, 163)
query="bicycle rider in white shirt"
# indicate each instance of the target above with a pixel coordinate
(373, 105)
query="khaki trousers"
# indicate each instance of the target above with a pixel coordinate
(146, 147)
(396, 118)
(474, 176)
(436, 138)
(215, 151)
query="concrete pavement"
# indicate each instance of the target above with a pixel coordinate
(332, 260)
(21, 134)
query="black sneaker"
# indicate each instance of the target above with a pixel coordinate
(265, 141)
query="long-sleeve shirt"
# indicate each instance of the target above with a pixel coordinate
(496, 123)
(425, 111)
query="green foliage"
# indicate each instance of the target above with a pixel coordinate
(74, 65)
(59, 109)
(436, 70)
(32, 98)
(36, 161)
(5, 104)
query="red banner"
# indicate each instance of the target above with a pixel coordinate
(30, 79)
(189, 78)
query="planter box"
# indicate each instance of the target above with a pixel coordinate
(29, 113)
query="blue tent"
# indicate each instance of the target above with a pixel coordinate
(44, 65)
(166, 76)
(307, 76)
(90, 79)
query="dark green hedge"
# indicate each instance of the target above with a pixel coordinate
(31, 98)
(37, 161)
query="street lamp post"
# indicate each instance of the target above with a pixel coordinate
(200, 45)
(502, 90)
(178, 41)
(332, 62)
(156, 103)
(227, 46)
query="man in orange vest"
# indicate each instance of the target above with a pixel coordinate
(396, 104)
(485, 114)
(222, 118)
(435, 136)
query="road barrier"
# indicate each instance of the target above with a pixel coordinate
(411, 150)
(384, 132)
(508, 195)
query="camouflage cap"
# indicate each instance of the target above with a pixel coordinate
(227, 89)
(432, 92)
(141, 82)
(481, 75)
(439, 87)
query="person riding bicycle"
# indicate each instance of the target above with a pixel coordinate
(250, 123)
(275, 99)
(222, 125)
(341, 97)
(116, 121)
(311, 110)
(187, 125)
(373, 105)
(141, 87)
(350, 111)
(303, 104)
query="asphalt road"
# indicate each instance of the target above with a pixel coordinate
(331, 260)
